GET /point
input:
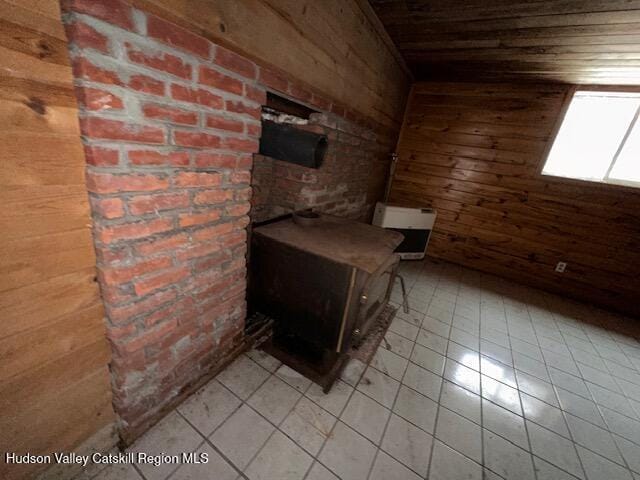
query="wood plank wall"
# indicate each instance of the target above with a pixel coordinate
(54, 383)
(338, 47)
(474, 152)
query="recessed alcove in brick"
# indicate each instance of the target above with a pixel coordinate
(341, 185)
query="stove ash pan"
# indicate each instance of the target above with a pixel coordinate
(290, 144)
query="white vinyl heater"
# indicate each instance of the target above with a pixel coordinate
(415, 224)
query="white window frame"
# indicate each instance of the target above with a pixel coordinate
(556, 130)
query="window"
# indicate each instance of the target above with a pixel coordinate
(599, 139)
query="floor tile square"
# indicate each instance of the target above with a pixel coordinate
(555, 449)
(171, 436)
(546, 471)
(495, 336)
(397, 344)
(334, 401)
(428, 359)
(216, 467)
(561, 362)
(379, 386)
(347, 453)
(623, 426)
(461, 401)
(495, 351)
(580, 407)
(432, 341)
(501, 394)
(537, 388)
(505, 423)
(544, 414)
(403, 328)
(389, 363)
(366, 416)
(598, 467)
(593, 438)
(243, 377)
(353, 371)
(526, 346)
(423, 381)
(463, 376)
(460, 434)
(598, 377)
(263, 359)
(413, 317)
(630, 452)
(242, 436)
(416, 408)
(531, 367)
(293, 378)
(209, 407)
(611, 400)
(463, 355)
(308, 425)
(274, 399)
(506, 459)
(447, 464)
(498, 371)
(436, 326)
(465, 338)
(408, 444)
(386, 468)
(569, 382)
(320, 472)
(468, 326)
(280, 459)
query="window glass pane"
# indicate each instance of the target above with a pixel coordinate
(590, 135)
(627, 166)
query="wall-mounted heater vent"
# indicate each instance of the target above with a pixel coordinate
(415, 224)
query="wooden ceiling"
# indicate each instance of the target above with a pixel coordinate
(568, 41)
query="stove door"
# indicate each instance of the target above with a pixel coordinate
(375, 294)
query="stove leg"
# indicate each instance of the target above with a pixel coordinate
(405, 298)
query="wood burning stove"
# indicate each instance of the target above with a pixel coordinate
(323, 282)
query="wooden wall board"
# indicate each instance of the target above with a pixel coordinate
(496, 212)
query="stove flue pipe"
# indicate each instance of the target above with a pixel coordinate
(290, 144)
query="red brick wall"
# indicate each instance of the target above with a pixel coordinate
(169, 123)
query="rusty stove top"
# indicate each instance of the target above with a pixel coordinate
(364, 246)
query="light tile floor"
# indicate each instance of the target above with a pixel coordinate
(482, 379)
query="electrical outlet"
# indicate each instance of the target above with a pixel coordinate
(560, 267)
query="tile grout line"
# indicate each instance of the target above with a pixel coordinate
(435, 425)
(598, 408)
(210, 444)
(395, 398)
(277, 426)
(242, 402)
(324, 442)
(562, 412)
(524, 420)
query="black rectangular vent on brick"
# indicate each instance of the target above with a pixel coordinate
(284, 136)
